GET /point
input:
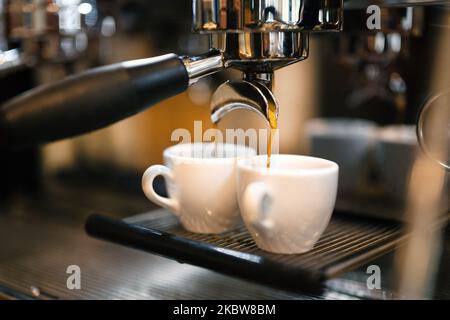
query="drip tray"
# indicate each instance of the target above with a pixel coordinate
(347, 243)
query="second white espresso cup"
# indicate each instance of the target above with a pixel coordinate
(201, 183)
(286, 207)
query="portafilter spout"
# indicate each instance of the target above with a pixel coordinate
(253, 93)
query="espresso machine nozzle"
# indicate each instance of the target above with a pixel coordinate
(255, 37)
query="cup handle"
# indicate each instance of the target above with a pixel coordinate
(257, 202)
(147, 185)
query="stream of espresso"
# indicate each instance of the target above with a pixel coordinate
(273, 122)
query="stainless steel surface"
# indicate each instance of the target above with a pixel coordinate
(346, 243)
(201, 66)
(107, 271)
(433, 129)
(264, 36)
(266, 15)
(41, 236)
(363, 4)
(242, 94)
(51, 31)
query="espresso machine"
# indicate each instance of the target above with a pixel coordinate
(255, 39)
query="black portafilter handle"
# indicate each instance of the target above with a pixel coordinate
(91, 100)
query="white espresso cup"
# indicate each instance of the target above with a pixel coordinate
(286, 207)
(201, 184)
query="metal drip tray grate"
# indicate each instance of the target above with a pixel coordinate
(348, 242)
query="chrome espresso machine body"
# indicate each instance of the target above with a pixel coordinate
(255, 37)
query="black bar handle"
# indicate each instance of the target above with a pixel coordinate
(90, 100)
